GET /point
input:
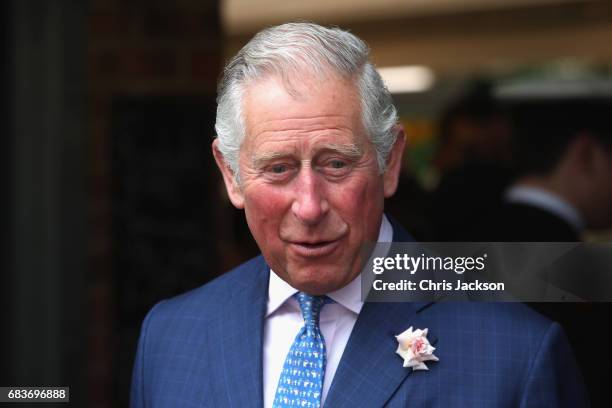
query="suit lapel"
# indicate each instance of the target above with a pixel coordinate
(399, 233)
(239, 340)
(370, 371)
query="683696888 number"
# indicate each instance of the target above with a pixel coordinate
(34, 394)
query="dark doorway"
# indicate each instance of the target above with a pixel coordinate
(163, 204)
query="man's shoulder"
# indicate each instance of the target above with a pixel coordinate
(486, 312)
(204, 301)
(499, 320)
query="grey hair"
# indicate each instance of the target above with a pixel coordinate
(303, 47)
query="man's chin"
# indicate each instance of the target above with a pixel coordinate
(316, 288)
(316, 282)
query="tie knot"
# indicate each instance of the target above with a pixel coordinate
(311, 306)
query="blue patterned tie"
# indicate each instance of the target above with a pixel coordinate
(301, 380)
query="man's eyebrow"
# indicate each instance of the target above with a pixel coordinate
(352, 151)
(262, 158)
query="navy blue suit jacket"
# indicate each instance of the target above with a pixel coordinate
(204, 349)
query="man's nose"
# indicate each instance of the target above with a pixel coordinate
(310, 204)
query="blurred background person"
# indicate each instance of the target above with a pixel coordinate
(564, 171)
(563, 187)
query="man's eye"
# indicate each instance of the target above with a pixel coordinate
(337, 164)
(335, 168)
(279, 168)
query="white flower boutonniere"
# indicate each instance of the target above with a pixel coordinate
(415, 349)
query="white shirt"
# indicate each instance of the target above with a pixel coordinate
(547, 201)
(284, 320)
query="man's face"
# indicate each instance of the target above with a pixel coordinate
(310, 184)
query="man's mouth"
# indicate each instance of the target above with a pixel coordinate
(314, 249)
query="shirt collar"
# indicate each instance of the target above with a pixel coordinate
(547, 201)
(348, 296)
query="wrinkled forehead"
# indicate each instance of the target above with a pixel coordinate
(316, 111)
(308, 98)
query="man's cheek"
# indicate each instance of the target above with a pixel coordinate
(269, 201)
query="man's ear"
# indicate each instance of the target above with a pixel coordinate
(394, 163)
(233, 190)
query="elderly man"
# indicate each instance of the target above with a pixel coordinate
(309, 146)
